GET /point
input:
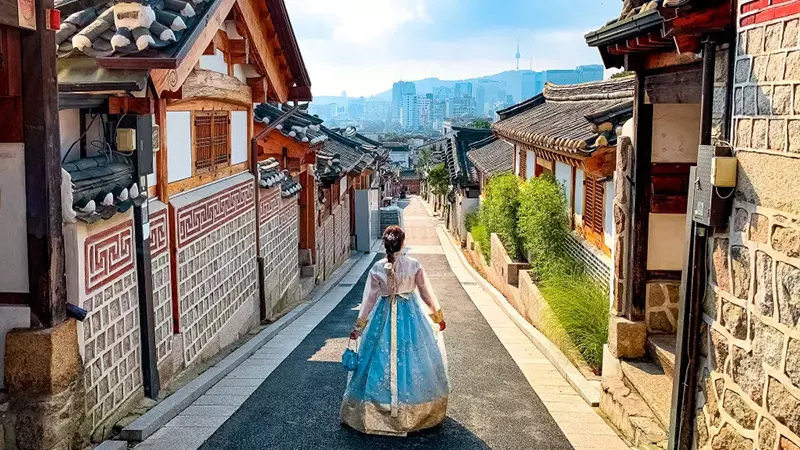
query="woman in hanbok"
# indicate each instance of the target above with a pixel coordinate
(400, 382)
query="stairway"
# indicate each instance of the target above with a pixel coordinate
(639, 401)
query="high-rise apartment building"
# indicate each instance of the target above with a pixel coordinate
(463, 89)
(399, 91)
(424, 106)
(409, 112)
(460, 107)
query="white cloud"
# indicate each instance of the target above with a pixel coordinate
(361, 22)
(363, 46)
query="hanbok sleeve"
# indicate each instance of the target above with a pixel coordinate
(371, 294)
(426, 292)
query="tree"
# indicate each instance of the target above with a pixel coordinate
(623, 74)
(425, 157)
(439, 180)
(481, 124)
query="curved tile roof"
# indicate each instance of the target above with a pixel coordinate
(493, 158)
(560, 121)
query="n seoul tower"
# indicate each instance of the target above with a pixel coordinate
(518, 55)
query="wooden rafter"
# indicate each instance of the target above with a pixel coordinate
(172, 79)
(264, 52)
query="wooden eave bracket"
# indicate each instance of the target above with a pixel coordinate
(265, 54)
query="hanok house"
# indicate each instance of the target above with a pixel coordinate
(159, 202)
(570, 132)
(491, 156)
(286, 142)
(409, 181)
(723, 375)
(464, 198)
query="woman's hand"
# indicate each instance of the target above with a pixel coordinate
(355, 334)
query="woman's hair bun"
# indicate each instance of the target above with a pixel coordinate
(393, 239)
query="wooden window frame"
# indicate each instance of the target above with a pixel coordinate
(594, 211)
(216, 164)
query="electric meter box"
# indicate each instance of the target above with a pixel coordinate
(712, 204)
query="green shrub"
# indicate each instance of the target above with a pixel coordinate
(581, 307)
(543, 224)
(499, 211)
(482, 237)
(470, 220)
(439, 180)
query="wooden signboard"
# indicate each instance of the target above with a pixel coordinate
(18, 14)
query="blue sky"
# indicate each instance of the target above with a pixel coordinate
(363, 46)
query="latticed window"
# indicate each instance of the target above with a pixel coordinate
(211, 140)
(594, 196)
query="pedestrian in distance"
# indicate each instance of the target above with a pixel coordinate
(398, 381)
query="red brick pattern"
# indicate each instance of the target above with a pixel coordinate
(108, 255)
(159, 236)
(760, 11)
(208, 214)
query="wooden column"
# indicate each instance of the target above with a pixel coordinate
(637, 262)
(43, 172)
(162, 172)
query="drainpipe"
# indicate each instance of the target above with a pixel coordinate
(693, 288)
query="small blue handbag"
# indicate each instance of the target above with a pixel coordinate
(350, 358)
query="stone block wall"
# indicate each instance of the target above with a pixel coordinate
(750, 379)
(217, 274)
(101, 261)
(333, 240)
(162, 287)
(280, 238)
(661, 310)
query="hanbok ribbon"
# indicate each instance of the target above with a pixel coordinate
(395, 396)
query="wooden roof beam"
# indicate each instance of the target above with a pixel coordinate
(172, 79)
(265, 53)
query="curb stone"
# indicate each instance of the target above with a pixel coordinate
(588, 390)
(146, 425)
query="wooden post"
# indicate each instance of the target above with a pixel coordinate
(637, 262)
(162, 174)
(43, 171)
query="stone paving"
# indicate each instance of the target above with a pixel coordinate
(506, 394)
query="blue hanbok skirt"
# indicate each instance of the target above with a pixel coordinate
(400, 383)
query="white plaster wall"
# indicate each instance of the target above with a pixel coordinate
(578, 197)
(13, 224)
(215, 62)
(230, 29)
(11, 317)
(564, 176)
(676, 132)
(238, 72)
(516, 160)
(69, 130)
(151, 178)
(239, 137)
(179, 143)
(343, 186)
(608, 214)
(666, 241)
(530, 164)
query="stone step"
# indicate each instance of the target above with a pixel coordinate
(652, 384)
(662, 350)
(629, 412)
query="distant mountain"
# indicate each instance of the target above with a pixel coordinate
(511, 78)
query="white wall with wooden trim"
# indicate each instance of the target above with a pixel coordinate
(578, 197)
(179, 145)
(239, 137)
(608, 214)
(530, 164)
(676, 132)
(215, 62)
(563, 175)
(13, 225)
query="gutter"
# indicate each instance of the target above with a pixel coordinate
(624, 29)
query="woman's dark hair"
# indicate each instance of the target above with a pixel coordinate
(393, 239)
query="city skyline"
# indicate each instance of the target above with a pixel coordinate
(362, 47)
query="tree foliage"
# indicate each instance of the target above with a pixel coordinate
(439, 179)
(543, 224)
(499, 211)
(481, 124)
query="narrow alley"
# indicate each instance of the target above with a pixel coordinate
(505, 393)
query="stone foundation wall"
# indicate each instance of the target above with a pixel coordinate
(279, 230)
(216, 251)
(661, 311)
(751, 375)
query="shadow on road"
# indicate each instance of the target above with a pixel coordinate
(298, 406)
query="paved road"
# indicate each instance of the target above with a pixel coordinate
(492, 404)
